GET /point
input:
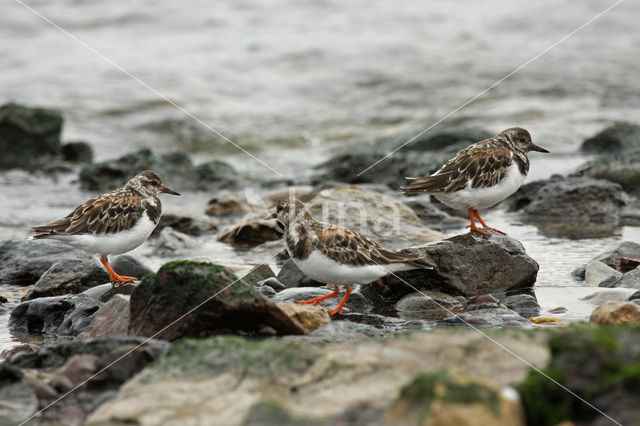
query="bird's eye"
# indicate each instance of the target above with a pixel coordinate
(155, 183)
(521, 139)
(279, 208)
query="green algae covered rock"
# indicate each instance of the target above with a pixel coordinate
(195, 299)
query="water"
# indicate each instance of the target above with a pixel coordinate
(290, 81)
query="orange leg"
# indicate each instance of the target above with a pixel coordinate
(318, 300)
(342, 302)
(473, 227)
(477, 215)
(116, 279)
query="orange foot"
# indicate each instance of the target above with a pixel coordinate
(473, 213)
(338, 308)
(116, 280)
(318, 300)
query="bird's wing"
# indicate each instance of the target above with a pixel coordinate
(101, 215)
(480, 165)
(351, 248)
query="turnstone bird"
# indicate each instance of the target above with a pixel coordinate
(334, 255)
(112, 223)
(481, 175)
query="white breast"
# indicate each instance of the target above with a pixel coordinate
(106, 244)
(320, 268)
(481, 198)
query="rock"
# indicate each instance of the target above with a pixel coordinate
(126, 264)
(177, 168)
(496, 317)
(622, 169)
(272, 283)
(291, 276)
(597, 272)
(17, 395)
(471, 265)
(524, 196)
(29, 137)
(55, 355)
(611, 257)
(171, 241)
(67, 277)
(603, 296)
(184, 290)
(23, 262)
(57, 316)
(577, 200)
(310, 317)
(267, 291)
(111, 320)
(524, 304)
(258, 274)
(184, 224)
(105, 292)
(428, 305)
(432, 216)
(616, 312)
(227, 205)
(452, 398)
(307, 381)
(634, 296)
(595, 363)
(379, 217)
(620, 136)
(629, 280)
(76, 363)
(77, 152)
(251, 233)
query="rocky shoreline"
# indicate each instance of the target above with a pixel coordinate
(409, 348)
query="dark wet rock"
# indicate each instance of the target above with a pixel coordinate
(429, 305)
(267, 291)
(128, 265)
(595, 362)
(55, 355)
(29, 137)
(182, 286)
(376, 215)
(3, 300)
(186, 225)
(64, 316)
(482, 301)
(623, 169)
(524, 304)
(105, 292)
(432, 216)
(68, 277)
(171, 241)
(227, 205)
(634, 296)
(629, 280)
(452, 398)
(77, 364)
(77, 152)
(620, 136)
(577, 200)
(251, 233)
(472, 265)
(177, 169)
(258, 274)
(496, 317)
(17, 395)
(111, 320)
(291, 276)
(525, 195)
(24, 262)
(273, 283)
(420, 157)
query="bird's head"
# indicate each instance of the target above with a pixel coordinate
(149, 183)
(520, 139)
(289, 210)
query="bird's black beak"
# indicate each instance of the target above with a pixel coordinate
(272, 216)
(535, 147)
(166, 190)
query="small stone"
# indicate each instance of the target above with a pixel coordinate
(273, 283)
(259, 273)
(227, 205)
(77, 152)
(616, 312)
(558, 310)
(634, 296)
(290, 275)
(267, 291)
(597, 272)
(310, 317)
(128, 265)
(630, 280)
(67, 277)
(251, 233)
(524, 304)
(428, 305)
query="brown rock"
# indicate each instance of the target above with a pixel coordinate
(111, 320)
(309, 317)
(616, 312)
(251, 233)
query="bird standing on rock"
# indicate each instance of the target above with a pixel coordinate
(334, 255)
(112, 223)
(481, 175)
